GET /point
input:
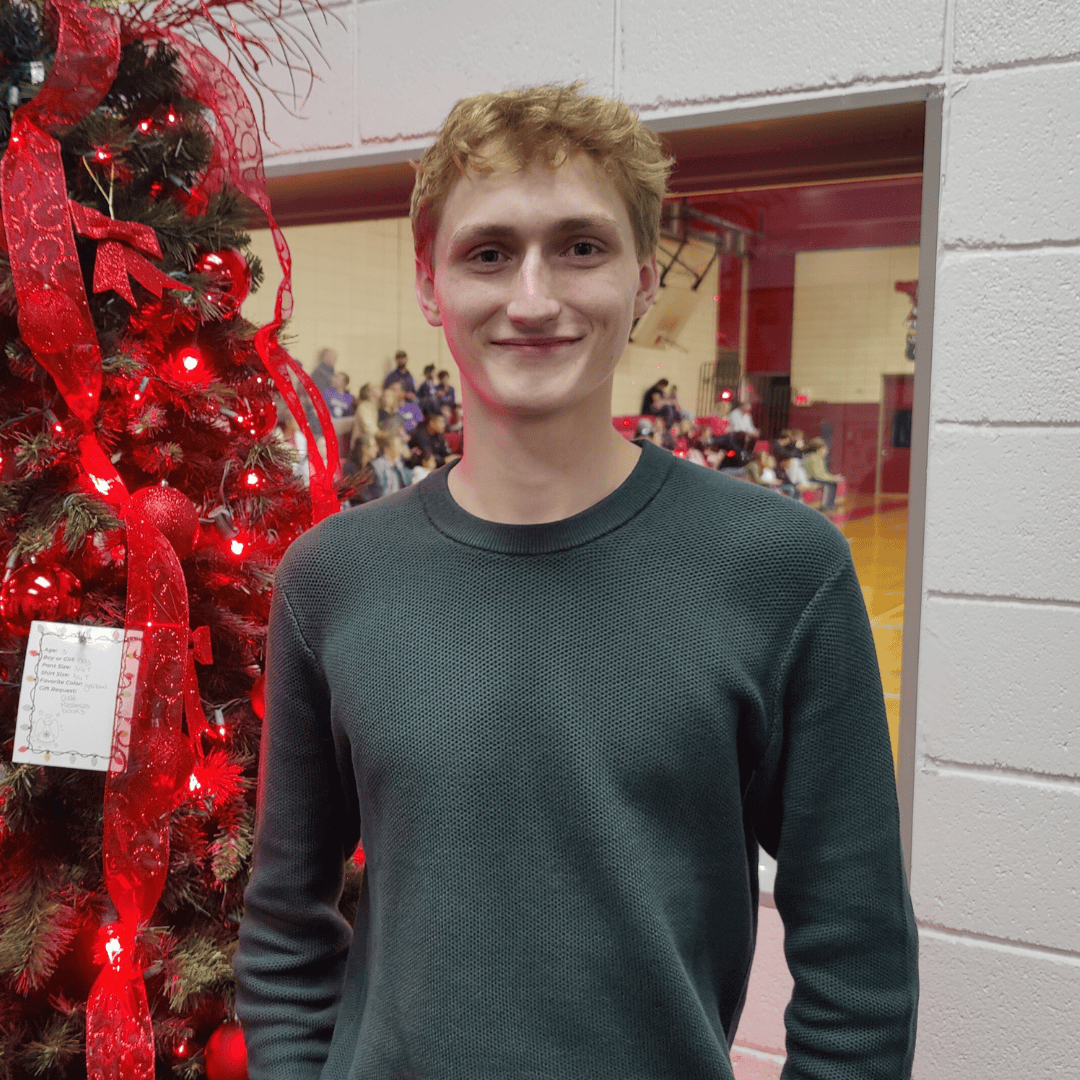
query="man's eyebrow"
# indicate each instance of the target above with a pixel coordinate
(471, 234)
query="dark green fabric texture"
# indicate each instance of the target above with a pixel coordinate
(562, 744)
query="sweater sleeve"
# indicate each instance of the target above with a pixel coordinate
(293, 941)
(832, 822)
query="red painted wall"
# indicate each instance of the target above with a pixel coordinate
(769, 313)
(729, 302)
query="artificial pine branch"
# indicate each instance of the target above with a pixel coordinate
(230, 850)
(59, 1045)
(39, 923)
(198, 965)
(83, 514)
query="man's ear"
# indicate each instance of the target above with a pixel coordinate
(425, 293)
(648, 283)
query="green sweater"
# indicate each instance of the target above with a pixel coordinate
(562, 745)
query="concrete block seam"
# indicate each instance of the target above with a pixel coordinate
(795, 93)
(969, 247)
(1060, 60)
(968, 939)
(1002, 601)
(997, 772)
(1007, 425)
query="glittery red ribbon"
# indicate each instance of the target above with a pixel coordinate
(54, 316)
(151, 759)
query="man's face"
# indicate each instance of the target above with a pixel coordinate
(337, 381)
(536, 284)
(402, 362)
(436, 424)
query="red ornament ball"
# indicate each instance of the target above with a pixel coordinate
(39, 591)
(256, 413)
(230, 274)
(171, 512)
(257, 693)
(225, 1057)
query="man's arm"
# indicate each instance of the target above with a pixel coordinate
(293, 941)
(831, 819)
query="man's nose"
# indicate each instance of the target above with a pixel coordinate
(534, 300)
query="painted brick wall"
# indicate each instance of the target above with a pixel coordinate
(997, 799)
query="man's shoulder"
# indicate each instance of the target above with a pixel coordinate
(750, 528)
(351, 541)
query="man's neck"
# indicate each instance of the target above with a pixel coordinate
(525, 471)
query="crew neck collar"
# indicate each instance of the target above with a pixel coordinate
(614, 510)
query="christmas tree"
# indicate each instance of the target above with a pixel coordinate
(144, 486)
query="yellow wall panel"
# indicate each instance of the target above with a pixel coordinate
(849, 322)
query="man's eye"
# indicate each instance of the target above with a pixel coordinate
(489, 256)
(584, 247)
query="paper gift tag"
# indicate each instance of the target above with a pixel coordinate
(68, 695)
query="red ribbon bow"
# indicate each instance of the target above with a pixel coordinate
(116, 258)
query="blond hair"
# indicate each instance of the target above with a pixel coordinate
(508, 131)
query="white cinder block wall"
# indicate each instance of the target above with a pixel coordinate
(996, 869)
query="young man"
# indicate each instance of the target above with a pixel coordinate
(562, 817)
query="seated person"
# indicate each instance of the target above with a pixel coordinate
(338, 399)
(427, 390)
(653, 403)
(732, 450)
(365, 423)
(739, 419)
(445, 394)
(814, 463)
(662, 434)
(790, 473)
(342, 406)
(656, 392)
(390, 469)
(420, 471)
(389, 400)
(784, 441)
(427, 439)
(761, 469)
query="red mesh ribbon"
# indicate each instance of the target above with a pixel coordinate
(54, 317)
(237, 161)
(151, 759)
